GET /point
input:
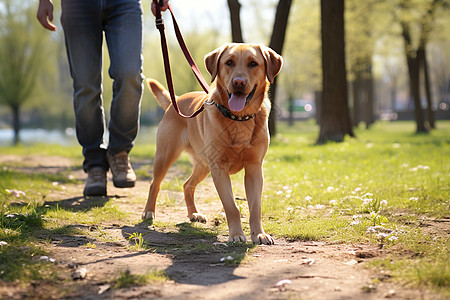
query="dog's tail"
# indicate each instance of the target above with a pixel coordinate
(160, 93)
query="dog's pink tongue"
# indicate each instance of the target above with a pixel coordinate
(237, 103)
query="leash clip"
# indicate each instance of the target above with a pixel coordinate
(159, 23)
(209, 102)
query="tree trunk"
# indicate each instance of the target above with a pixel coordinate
(318, 99)
(276, 43)
(393, 93)
(414, 87)
(368, 87)
(16, 124)
(356, 99)
(291, 111)
(414, 83)
(335, 116)
(236, 31)
(421, 53)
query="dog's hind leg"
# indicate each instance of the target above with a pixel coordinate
(199, 173)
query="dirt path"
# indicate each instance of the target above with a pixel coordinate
(194, 262)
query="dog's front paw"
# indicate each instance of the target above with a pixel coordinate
(148, 216)
(262, 239)
(198, 217)
(237, 238)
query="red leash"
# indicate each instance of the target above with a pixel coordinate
(197, 73)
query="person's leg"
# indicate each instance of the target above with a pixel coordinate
(123, 31)
(82, 24)
(81, 20)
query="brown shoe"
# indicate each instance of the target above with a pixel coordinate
(121, 169)
(95, 183)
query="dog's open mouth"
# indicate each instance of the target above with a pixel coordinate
(238, 101)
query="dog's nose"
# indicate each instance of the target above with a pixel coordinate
(239, 82)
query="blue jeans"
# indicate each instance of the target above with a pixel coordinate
(84, 22)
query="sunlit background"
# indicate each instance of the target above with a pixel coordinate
(47, 113)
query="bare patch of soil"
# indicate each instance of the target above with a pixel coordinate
(196, 263)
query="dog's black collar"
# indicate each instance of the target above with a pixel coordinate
(227, 113)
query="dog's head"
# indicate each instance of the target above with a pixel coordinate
(242, 71)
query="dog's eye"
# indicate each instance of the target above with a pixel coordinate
(252, 64)
(229, 62)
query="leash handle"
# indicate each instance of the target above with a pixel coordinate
(197, 73)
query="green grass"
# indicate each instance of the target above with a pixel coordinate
(385, 178)
(126, 279)
(57, 216)
(44, 149)
(33, 185)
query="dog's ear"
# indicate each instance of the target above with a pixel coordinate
(273, 62)
(212, 61)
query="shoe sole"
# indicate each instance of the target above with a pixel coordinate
(124, 184)
(96, 192)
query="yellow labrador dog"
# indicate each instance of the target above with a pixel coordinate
(231, 133)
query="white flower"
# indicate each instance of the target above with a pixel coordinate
(413, 199)
(367, 200)
(308, 198)
(330, 189)
(333, 202)
(419, 167)
(383, 202)
(3, 243)
(279, 193)
(355, 222)
(393, 238)
(15, 193)
(381, 235)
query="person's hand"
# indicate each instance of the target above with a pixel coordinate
(163, 8)
(45, 14)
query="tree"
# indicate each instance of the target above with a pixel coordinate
(422, 56)
(413, 73)
(277, 43)
(302, 74)
(236, 31)
(364, 25)
(20, 57)
(335, 121)
(420, 15)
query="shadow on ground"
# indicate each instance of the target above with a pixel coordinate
(196, 253)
